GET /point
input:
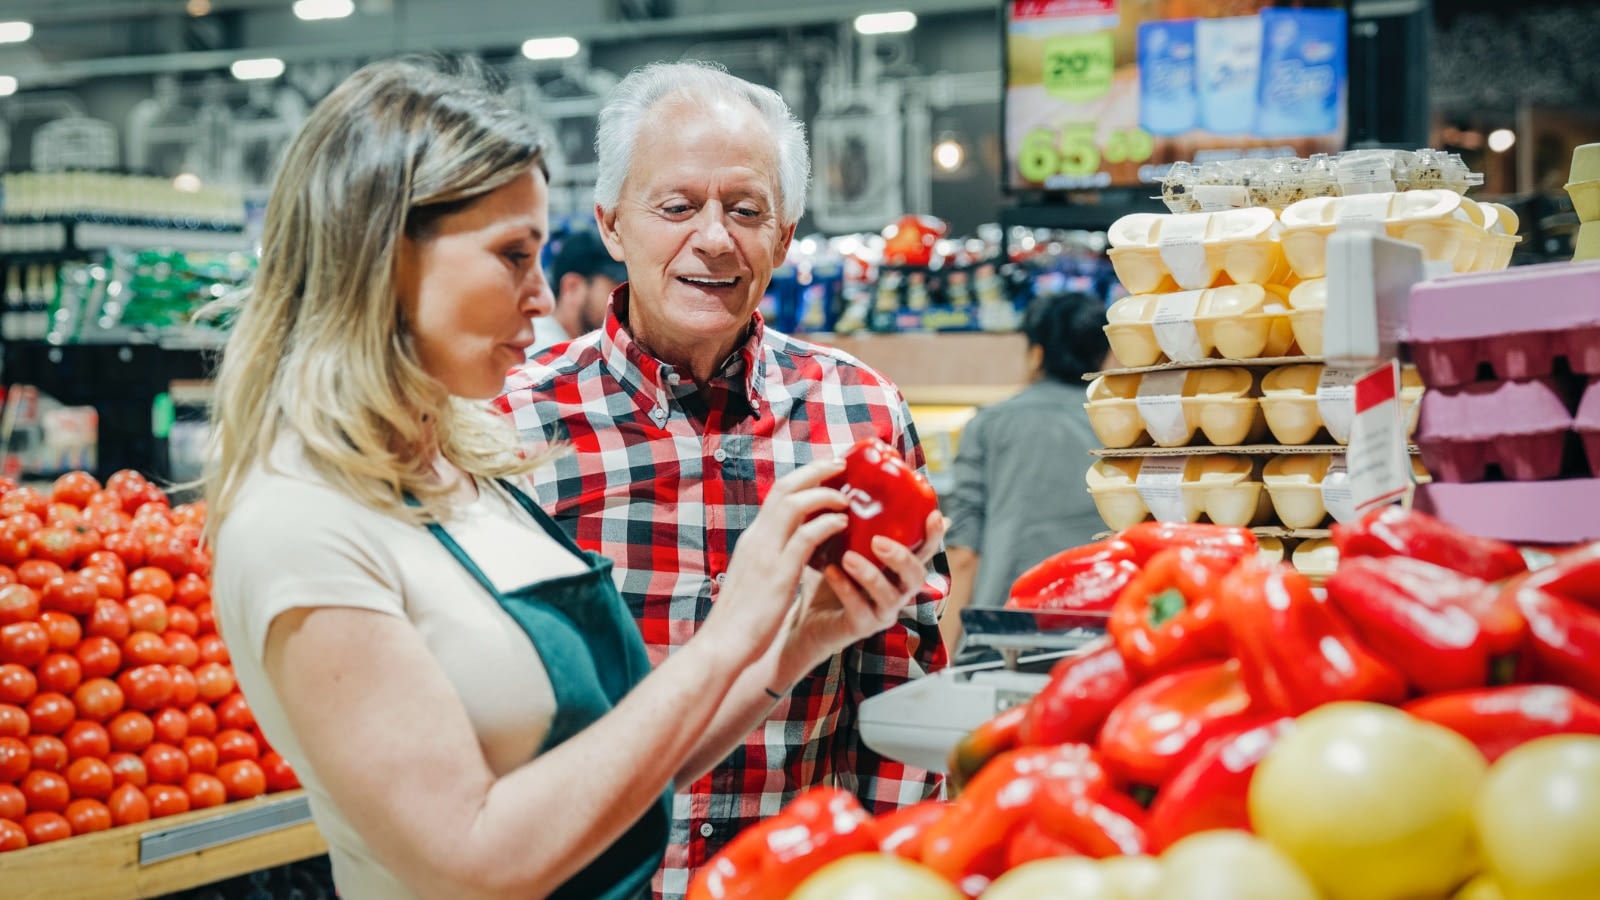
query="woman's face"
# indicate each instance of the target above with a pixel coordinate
(471, 287)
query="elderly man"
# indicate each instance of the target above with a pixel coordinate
(685, 407)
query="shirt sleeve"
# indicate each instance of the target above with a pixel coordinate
(969, 496)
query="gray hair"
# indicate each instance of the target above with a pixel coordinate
(644, 87)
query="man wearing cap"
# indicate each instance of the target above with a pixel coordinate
(582, 276)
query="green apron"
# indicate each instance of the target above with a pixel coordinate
(593, 653)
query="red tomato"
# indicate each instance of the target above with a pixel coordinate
(204, 790)
(128, 484)
(184, 688)
(16, 541)
(13, 721)
(234, 712)
(151, 580)
(86, 739)
(88, 815)
(56, 545)
(98, 699)
(106, 560)
(18, 603)
(8, 575)
(49, 752)
(90, 777)
(126, 547)
(63, 515)
(12, 835)
(234, 744)
(107, 521)
(213, 649)
(166, 800)
(202, 720)
(147, 612)
(128, 768)
(279, 775)
(146, 687)
(24, 499)
(60, 673)
(75, 488)
(128, 805)
(87, 539)
(181, 648)
(243, 778)
(13, 805)
(50, 713)
(171, 553)
(46, 791)
(15, 760)
(172, 726)
(202, 753)
(213, 680)
(99, 656)
(35, 572)
(165, 763)
(24, 643)
(69, 592)
(44, 827)
(107, 584)
(145, 648)
(184, 621)
(208, 621)
(131, 732)
(17, 684)
(62, 629)
(110, 619)
(190, 591)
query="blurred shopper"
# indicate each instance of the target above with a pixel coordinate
(582, 276)
(1019, 494)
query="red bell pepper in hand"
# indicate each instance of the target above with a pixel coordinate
(902, 831)
(1212, 790)
(1082, 691)
(1158, 727)
(1563, 638)
(1406, 611)
(1392, 531)
(1082, 579)
(887, 497)
(1500, 719)
(773, 858)
(981, 744)
(1295, 651)
(1150, 538)
(1166, 618)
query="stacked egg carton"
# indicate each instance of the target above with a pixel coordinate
(1583, 186)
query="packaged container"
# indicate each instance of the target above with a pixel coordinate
(1166, 408)
(1587, 424)
(1308, 304)
(1239, 321)
(1316, 558)
(1299, 401)
(1302, 72)
(1154, 253)
(1167, 101)
(1227, 59)
(1447, 226)
(1270, 549)
(1519, 426)
(1583, 182)
(1296, 485)
(1225, 489)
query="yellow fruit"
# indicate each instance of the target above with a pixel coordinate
(1229, 865)
(1371, 803)
(1065, 878)
(1480, 888)
(875, 876)
(1538, 819)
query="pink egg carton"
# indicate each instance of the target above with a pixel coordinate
(1565, 511)
(1519, 321)
(1587, 424)
(1521, 426)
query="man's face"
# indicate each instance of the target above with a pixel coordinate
(698, 222)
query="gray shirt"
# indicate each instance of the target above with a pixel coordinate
(1020, 495)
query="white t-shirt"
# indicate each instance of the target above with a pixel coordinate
(294, 542)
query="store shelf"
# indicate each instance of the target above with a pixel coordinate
(1265, 362)
(98, 236)
(1238, 450)
(166, 855)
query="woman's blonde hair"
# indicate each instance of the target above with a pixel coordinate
(321, 349)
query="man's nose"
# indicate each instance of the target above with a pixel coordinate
(711, 230)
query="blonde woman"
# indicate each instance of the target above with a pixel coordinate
(460, 689)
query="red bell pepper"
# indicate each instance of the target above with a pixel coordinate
(981, 744)
(1166, 618)
(1158, 727)
(887, 497)
(1295, 651)
(1150, 538)
(1393, 531)
(1563, 638)
(1212, 789)
(1574, 575)
(1032, 842)
(1106, 824)
(1082, 579)
(773, 858)
(902, 831)
(1406, 611)
(1499, 719)
(1082, 691)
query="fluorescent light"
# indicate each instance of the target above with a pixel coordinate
(550, 48)
(313, 10)
(15, 32)
(8, 85)
(257, 69)
(948, 154)
(886, 23)
(187, 182)
(1501, 139)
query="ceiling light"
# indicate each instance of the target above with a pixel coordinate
(314, 10)
(187, 182)
(15, 32)
(198, 8)
(257, 69)
(550, 48)
(8, 85)
(886, 23)
(948, 154)
(1501, 139)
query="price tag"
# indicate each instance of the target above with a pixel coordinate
(1182, 248)
(1336, 401)
(1379, 474)
(1365, 176)
(1160, 405)
(1336, 495)
(1160, 485)
(1174, 326)
(1217, 197)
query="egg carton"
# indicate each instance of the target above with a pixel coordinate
(1521, 427)
(1156, 253)
(1586, 423)
(1302, 402)
(1308, 304)
(1450, 228)
(1237, 322)
(1316, 558)
(1167, 408)
(1583, 183)
(1557, 512)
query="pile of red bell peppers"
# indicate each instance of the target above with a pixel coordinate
(1153, 732)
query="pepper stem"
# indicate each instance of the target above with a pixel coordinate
(1165, 605)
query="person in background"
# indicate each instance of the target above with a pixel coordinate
(1019, 495)
(686, 409)
(460, 688)
(582, 275)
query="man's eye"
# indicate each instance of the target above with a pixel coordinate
(677, 209)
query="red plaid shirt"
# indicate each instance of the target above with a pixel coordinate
(664, 479)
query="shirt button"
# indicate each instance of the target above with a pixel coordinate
(659, 414)
(673, 378)
(706, 829)
(720, 455)
(721, 577)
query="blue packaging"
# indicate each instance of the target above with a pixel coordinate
(1167, 101)
(1227, 73)
(1303, 72)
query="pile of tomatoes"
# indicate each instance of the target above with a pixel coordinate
(117, 699)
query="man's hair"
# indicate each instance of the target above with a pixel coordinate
(1068, 328)
(618, 135)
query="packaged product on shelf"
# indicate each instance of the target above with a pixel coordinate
(1167, 408)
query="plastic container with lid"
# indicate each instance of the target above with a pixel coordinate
(1238, 321)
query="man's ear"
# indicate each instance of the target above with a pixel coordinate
(606, 223)
(784, 240)
(571, 285)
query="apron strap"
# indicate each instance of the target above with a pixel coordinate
(532, 508)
